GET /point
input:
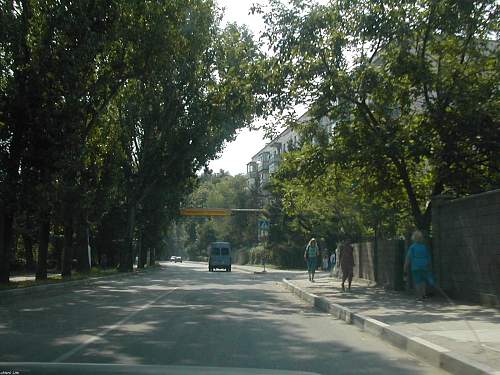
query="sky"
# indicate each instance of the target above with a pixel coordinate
(238, 153)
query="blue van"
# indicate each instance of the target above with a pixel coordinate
(219, 256)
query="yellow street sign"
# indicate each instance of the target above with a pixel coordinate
(205, 212)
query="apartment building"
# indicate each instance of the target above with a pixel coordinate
(265, 162)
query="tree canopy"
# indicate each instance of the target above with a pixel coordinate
(107, 110)
(412, 90)
(220, 190)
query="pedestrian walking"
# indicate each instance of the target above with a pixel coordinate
(419, 259)
(333, 261)
(325, 262)
(336, 268)
(311, 255)
(346, 260)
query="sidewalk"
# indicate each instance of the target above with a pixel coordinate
(471, 333)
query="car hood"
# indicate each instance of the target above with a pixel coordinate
(39, 368)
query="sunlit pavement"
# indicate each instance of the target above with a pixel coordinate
(185, 315)
(32, 277)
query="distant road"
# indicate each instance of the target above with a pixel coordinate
(184, 315)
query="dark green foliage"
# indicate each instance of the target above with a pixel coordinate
(107, 110)
(220, 191)
(413, 90)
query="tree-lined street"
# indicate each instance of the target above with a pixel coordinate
(183, 315)
(382, 165)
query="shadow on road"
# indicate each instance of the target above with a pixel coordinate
(211, 319)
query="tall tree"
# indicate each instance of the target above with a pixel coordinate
(14, 70)
(117, 103)
(412, 87)
(51, 97)
(195, 96)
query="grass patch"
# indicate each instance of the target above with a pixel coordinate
(260, 265)
(271, 266)
(291, 268)
(276, 267)
(52, 279)
(57, 279)
(94, 272)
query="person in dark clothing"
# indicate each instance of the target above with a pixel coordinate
(346, 259)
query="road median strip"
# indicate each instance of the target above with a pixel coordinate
(428, 352)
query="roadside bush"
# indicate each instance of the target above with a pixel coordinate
(240, 256)
(256, 254)
(286, 255)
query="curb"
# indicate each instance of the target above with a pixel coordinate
(60, 286)
(433, 354)
(244, 270)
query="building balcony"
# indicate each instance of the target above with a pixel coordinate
(252, 170)
(252, 183)
(252, 174)
(264, 166)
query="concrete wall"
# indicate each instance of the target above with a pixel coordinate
(380, 261)
(390, 262)
(466, 246)
(465, 249)
(364, 260)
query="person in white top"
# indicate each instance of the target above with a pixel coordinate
(333, 260)
(335, 268)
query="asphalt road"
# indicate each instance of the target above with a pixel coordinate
(184, 315)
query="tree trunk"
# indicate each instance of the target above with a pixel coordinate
(82, 242)
(104, 244)
(152, 256)
(6, 229)
(17, 105)
(419, 219)
(127, 252)
(69, 204)
(28, 252)
(68, 240)
(43, 246)
(15, 245)
(425, 222)
(153, 243)
(141, 250)
(427, 216)
(58, 244)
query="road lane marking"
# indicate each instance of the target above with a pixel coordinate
(111, 328)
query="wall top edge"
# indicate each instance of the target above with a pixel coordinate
(444, 199)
